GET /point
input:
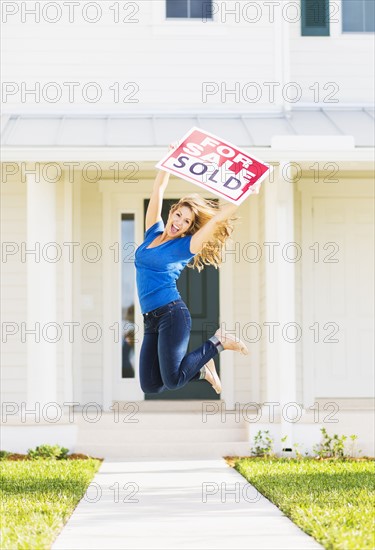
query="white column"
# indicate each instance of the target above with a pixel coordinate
(271, 384)
(290, 331)
(41, 290)
(68, 287)
(280, 376)
(253, 274)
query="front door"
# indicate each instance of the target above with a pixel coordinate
(200, 292)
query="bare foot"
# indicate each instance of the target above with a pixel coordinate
(212, 377)
(229, 341)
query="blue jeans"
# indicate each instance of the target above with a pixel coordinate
(164, 364)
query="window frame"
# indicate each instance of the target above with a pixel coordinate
(188, 18)
(343, 31)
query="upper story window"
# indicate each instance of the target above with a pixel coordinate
(189, 9)
(358, 15)
(315, 17)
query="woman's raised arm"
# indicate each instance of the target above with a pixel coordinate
(207, 232)
(155, 205)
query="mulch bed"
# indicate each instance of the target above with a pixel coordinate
(231, 460)
(73, 456)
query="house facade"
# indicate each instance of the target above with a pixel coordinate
(85, 120)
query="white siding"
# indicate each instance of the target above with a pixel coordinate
(345, 59)
(168, 60)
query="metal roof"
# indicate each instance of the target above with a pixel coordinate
(153, 130)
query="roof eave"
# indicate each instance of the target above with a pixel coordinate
(153, 154)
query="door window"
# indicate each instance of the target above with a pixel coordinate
(127, 294)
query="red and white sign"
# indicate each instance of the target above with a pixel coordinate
(216, 165)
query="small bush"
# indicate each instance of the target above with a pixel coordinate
(263, 444)
(48, 451)
(334, 447)
(4, 455)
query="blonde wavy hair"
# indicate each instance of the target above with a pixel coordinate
(203, 211)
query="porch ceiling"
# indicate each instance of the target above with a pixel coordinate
(142, 130)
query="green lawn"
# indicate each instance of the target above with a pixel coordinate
(331, 500)
(37, 498)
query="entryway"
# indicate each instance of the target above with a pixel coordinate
(200, 291)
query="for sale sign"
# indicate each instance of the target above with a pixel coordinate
(216, 165)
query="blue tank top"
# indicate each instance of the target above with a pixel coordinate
(158, 268)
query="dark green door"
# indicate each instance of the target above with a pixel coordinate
(200, 292)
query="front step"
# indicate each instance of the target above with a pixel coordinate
(151, 451)
(163, 420)
(161, 435)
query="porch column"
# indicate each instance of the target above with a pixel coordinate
(41, 289)
(290, 331)
(270, 376)
(280, 318)
(68, 392)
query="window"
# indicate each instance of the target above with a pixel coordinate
(189, 9)
(358, 15)
(315, 17)
(127, 295)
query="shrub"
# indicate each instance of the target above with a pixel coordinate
(48, 451)
(334, 447)
(4, 455)
(263, 444)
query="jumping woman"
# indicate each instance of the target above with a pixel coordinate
(196, 230)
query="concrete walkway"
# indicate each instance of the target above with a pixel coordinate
(195, 504)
